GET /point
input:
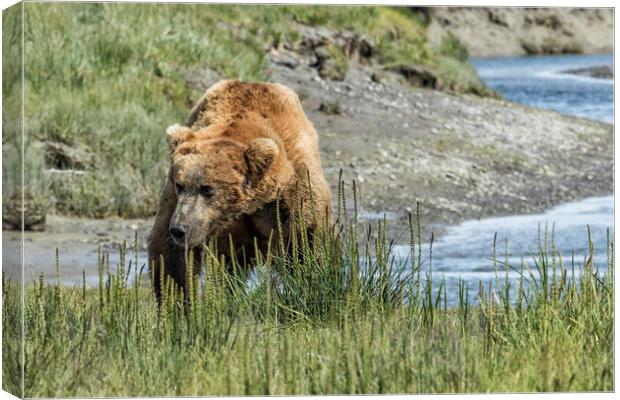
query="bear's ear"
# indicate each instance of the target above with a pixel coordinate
(259, 156)
(177, 134)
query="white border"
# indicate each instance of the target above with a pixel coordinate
(488, 3)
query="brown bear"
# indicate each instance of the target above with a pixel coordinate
(247, 151)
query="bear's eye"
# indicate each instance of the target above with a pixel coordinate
(206, 190)
(179, 187)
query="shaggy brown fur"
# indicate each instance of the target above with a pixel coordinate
(246, 146)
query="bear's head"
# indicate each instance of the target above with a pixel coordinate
(216, 180)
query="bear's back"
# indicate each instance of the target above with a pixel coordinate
(228, 100)
(275, 105)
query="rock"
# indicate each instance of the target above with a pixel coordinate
(418, 76)
(313, 37)
(331, 63)
(63, 156)
(602, 72)
(376, 77)
(201, 79)
(285, 58)
(356, 47)
(550, 21)
(551, 45)
(327, 50)
(503, 31)
(330, 107)
(497, 16)
(34, 213)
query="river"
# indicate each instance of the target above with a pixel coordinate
(465, 251)
(541, 81)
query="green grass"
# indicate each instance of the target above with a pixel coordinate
(452, 47)
(317, 322)
(109, 78)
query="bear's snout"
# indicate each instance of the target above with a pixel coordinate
(177, 232)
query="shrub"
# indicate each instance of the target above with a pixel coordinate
(451, 46)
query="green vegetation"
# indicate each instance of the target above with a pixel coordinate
(331, 107)
(319, 320)
(462, 77)
(336, 67)
(109, 78)
(452, 47)
(11, 92)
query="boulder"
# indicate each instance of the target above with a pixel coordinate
(34, 213)
(282, 57)
(63, 156)
(418, 75)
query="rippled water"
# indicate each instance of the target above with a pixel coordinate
(541, 81)
(465, 251)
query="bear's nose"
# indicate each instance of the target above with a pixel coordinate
(177, 232)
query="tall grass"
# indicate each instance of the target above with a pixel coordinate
(325, 318)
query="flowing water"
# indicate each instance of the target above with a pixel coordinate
(465, 251)
(543, 82)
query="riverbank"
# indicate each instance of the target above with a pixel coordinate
(460, 156)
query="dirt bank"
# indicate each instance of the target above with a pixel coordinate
(491, 32)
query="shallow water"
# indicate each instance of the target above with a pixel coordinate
(541, 81)
(465, 251)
